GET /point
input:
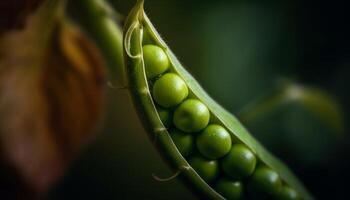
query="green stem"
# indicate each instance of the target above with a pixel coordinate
(97, 17)
(319, 103)
(263, 106)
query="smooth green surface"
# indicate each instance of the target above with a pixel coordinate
(156, 61)
(214, 141)
(239, 163)
(207, 169)
(165, 115)
(191, 116)
(169, 90)
(288, 193)
(231, 190)
(266, 181)
(183, 141)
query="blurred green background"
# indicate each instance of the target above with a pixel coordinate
(237, 50)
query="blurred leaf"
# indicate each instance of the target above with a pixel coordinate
(318, 102)
(51, 96)
(321, 104)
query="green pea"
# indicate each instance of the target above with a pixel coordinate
(208, 170)
(288, 193)
(165, 115)
(191, 116)
(231, 190)
(156, 60)
(239, 163)
(266, 181)
(214, 141)
(184, 142)
(169, 90)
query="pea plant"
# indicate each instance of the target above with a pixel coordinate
(52, 93)
(207, 146)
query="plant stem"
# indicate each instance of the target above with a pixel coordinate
(98, 18)
(262, 106)
(316, 101)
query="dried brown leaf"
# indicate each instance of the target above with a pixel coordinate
(51, 96)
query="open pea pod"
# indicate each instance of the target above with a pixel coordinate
(139, 30)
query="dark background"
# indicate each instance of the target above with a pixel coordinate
(236, 50)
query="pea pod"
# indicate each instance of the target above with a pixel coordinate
(139, 31)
